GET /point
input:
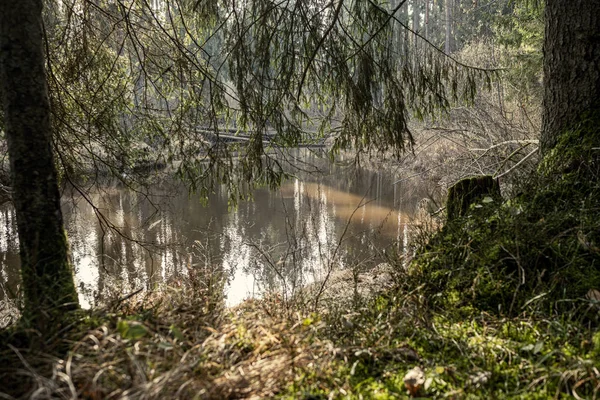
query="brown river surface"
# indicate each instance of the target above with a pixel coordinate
(340, 217)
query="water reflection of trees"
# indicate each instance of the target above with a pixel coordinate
(280, 240)
(9, 253)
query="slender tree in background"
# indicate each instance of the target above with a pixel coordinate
(449, 43)
(571, 65)
(416, 11)
(427, 19)
(47, 275)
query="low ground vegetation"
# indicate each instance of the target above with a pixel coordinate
(503, 302)
(171, 346)
(500, 303)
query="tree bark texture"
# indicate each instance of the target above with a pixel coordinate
(571, 65)
(48, 285)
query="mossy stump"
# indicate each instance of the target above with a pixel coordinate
(466, 191)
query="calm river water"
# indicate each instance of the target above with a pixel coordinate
(341, 217)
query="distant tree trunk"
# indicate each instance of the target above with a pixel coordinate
(415, 18)
(448, 48)
(47, 275)
(395, 26)
(403, 33)
(427, 19)
(571, 65)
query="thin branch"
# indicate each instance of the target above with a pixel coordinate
(318, 47)
(524, 141)
(519, 163)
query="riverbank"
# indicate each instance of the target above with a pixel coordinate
(178, 344)
(503, 302)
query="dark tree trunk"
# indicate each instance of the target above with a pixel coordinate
(45, 269)
(571, 65)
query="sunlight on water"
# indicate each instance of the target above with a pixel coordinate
(86, 272)
(236, 263)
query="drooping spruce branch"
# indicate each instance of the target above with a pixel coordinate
(133, 83)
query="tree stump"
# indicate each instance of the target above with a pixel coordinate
(467, 191)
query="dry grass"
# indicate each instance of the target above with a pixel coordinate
(249, 356)
(167, 346)
(181, 344)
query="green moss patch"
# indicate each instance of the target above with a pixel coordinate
(540, 250)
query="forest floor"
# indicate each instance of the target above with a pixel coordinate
(376, 344)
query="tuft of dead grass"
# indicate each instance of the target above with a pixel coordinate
(164, 346)
(177, 344)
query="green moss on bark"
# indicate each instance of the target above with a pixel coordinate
(48, 280)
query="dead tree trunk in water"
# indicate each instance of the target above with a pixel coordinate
(47, 274)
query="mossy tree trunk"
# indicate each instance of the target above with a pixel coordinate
(571, 65)
(467, 191)
(47, 275)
